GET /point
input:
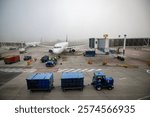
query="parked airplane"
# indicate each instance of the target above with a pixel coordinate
(61, 47)
(32, 44)
(22, 49)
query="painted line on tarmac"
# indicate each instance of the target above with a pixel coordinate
(62, 70)
(122, 78)
(84, 70)
(5, 70)
(69, 70)
(32, 70)
(98, 70)
(144, 97)
(25, 70)
(135, 54)
(148, 71)
(91, 70)
(13, 70)
(77, 70)
(17, 70)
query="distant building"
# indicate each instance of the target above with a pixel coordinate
(16, 44)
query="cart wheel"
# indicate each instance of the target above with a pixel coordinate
(63, 90)
(98, 88)
(49, 90)
(110, 88)
(31, 91)
(81, 89)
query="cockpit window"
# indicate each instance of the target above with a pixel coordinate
(57, 47)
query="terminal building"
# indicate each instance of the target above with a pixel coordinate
(13, 44)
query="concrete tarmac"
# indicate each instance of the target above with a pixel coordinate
(130, 83)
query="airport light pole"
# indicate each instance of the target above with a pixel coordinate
(124, 44)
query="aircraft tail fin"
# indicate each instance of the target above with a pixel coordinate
(66, 38)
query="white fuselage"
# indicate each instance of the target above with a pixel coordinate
(60, 47)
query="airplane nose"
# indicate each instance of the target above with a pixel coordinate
(56, 51)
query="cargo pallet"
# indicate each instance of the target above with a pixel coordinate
(72, 80)
(40, 81)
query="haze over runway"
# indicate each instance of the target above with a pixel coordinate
(33, 20)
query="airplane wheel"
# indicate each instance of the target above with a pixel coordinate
(73, 50)
(49, 90)
(50, 51)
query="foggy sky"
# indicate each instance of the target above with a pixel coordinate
(31, 20)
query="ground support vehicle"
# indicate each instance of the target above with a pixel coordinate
(50, 63)
(121, 57)
(89, 53)
(26, 58)
(100, 81)
(45, 59)
(11, 59)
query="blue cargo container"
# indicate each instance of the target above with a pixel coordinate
(40, 81)
(72, 80)
(90, 53)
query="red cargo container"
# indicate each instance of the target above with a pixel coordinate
(11, 59)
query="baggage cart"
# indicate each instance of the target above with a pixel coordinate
(72, 80)
(40, 81)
